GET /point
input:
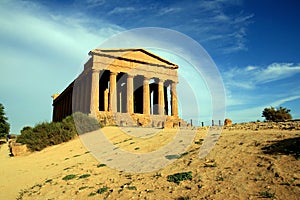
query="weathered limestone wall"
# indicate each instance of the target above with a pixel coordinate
(290, 125)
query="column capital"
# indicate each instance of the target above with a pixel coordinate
(94, 98)
(130, 75)
(146, 78)
(95, 70)
(161, 81)
(113, 73)
(173, 84)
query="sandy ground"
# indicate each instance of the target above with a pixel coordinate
(242, 165)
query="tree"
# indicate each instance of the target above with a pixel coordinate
(277, 115)
(4, 125)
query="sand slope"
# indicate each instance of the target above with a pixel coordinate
(243, 165)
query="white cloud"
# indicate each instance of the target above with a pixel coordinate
(94, 3)
(120, 10)
(251, 76)
(166, 11)
(277, 71)
(243, 19)
(282, 101)
(253, 85)
(250, 68)
(41, 53)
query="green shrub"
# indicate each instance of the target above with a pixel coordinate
(102, 190)
(131, 187)
(47, 134)
(84, 176)
(52, 133)
(69, 177)
(178, 177)
(267, 194)
(92, 194)
(101, 165)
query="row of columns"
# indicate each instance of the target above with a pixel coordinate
(94, 103)
(62, 107)
(81, 94)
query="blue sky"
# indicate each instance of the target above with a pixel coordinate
(255, 45)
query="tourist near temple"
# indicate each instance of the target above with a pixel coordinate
(125, 87)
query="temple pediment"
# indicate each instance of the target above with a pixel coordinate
(140, 56)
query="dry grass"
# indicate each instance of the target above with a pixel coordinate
(242, 165)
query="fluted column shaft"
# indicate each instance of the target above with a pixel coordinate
(146, 97)
(81, 101)
(113, 92)
(94, 100)
(161, 97)
(129, 101)
(106, 92)
(174, 99)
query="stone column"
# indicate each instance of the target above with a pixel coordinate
(76, 96)
(85, 99)
(88, 92)
(174, 99)
(69, 103)
(146, 96)
(113, 92)
(62, 107)
(106, 99)
(94, 103)
(129, 100)
(81, 95)
(161, 97)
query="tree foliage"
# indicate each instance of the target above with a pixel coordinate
(276, 115)
(4, 125)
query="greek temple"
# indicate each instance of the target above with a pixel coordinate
(125, 87)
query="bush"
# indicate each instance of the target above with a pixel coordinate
(276, 115)
(84, 176)
(69, 177)
(178, 177)
(102, 190)
(47, 134)
(52, 133)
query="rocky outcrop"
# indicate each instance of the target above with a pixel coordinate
(227, 122)
(17, 149)
(290, 125)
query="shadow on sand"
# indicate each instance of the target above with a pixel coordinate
(284, 147)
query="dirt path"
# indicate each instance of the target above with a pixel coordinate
(23, 172)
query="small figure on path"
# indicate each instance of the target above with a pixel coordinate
(7, 137)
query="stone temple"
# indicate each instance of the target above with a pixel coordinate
(125, 87)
